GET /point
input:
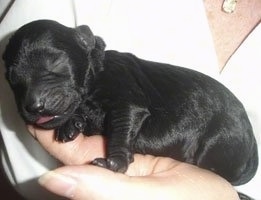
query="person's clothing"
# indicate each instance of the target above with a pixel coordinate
(169, 31)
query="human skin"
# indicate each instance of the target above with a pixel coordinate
(147, 177)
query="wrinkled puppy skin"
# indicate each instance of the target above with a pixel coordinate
(63, 79)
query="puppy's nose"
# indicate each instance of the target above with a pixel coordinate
(36, 106)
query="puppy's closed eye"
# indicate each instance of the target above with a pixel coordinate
(58, 63)
(16, 77)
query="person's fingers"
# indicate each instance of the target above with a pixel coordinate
(181, 181)
(81, 150)
(177, 180)
(145, 165)
(91, 182)
(83, 182)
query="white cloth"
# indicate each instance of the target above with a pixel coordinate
(169, 31)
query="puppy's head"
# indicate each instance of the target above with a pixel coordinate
(50, 68)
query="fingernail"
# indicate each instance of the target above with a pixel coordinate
(58, 183)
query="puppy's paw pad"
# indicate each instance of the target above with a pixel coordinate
(61, 137)
(66, 134)
(79, 125)
(70, 130)
(100, 162)
(116, 164)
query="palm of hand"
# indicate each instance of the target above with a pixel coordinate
(147, 177)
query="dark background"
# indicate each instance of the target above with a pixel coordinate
(7, 191)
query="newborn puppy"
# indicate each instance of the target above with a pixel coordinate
(63, 79)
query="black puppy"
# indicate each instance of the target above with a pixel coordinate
(64, 80)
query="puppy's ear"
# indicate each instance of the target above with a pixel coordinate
(99, 43)
(85, 37)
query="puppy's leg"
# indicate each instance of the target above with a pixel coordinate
(229, 149)
(87, 119)
(71, 129)
(123, 124)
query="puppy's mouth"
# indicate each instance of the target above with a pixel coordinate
(44, 119)
(52, 116)
(50, 121)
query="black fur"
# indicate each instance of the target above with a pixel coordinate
(64, 80)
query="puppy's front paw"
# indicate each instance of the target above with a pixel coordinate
(116, 163)
(70, 130)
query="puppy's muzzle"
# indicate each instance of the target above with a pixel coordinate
(36, 106)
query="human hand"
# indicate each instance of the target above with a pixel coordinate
(79, 151)
(148, 177)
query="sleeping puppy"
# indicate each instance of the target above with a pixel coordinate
(63, 79)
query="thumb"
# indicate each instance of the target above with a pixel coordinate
(85, 182)
(90, 182)
(183, 181)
